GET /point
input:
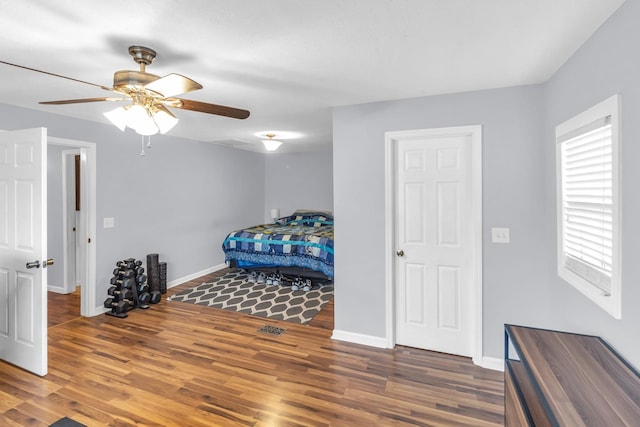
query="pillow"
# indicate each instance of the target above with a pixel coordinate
(307, 218)
(315, 221)
(312, 212)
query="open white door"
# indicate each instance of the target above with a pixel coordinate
(23, 247)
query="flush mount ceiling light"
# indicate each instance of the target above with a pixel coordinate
(271, 144)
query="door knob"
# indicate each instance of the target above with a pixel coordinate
(34, 264)
(400, 252)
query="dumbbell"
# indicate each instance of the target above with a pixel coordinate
(124, 273)
(119, 294)
(144, 298)
(119, 307)
(156, 296)
(132, 272)
(142, 288)
(141, 278)
(125, 265)
(129, 263)
(125, 283)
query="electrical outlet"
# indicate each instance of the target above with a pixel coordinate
(500, 235)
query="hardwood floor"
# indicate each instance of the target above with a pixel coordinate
(63, 307)
(179, 364)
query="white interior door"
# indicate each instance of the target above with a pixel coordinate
(23, 240)
(433, 240)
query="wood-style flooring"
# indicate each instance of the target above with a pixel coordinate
(62, 308)
(179, 364)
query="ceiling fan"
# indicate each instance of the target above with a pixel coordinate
(149, 96)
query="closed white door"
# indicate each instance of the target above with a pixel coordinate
(23, 243)
(433, 243)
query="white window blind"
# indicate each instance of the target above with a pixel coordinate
(587, 202)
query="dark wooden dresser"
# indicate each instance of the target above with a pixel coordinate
(554, 378)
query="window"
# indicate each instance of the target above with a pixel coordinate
(587, 159)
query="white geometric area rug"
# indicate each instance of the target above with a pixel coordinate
(234, 293)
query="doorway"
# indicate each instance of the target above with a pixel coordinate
(75, 220)
(434, 239)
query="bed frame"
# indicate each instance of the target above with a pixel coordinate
(290, 272)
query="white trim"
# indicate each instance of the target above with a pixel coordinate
(389, 239)
(88, 197)
(192, 276)
(356, 338)
(476, 212)
(611, 303)
(475, 131)
(69, 285)
(493, 363)
(62, 288)
(100, 310)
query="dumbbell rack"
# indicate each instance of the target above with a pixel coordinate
(129, 290)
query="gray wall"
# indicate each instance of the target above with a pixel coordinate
(520, 281)
(55, 273)
(608, 63)
(512, 123)
(180, 200)
(298, 181)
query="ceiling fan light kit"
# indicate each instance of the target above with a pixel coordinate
(145, 120)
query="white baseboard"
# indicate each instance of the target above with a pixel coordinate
(192, 276)
(493, 363)
(356, 338)
(99, 310)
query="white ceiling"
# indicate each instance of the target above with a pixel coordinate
(287, 61)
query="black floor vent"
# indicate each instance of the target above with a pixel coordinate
(271, 330)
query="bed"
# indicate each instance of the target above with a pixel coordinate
(300, 244)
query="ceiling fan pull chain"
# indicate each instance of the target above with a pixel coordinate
(149, 141)
(142, 145)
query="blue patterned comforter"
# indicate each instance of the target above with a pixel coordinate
(300, 240)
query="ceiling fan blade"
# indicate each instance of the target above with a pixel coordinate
(203, 107)
(79, 101)
(173, 84)
(56, 75)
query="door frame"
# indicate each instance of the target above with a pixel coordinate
(87, 218)
(391, 140)
(71, 277)
(67, 247)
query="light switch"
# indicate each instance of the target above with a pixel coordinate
(500, 235)
(108, 222)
